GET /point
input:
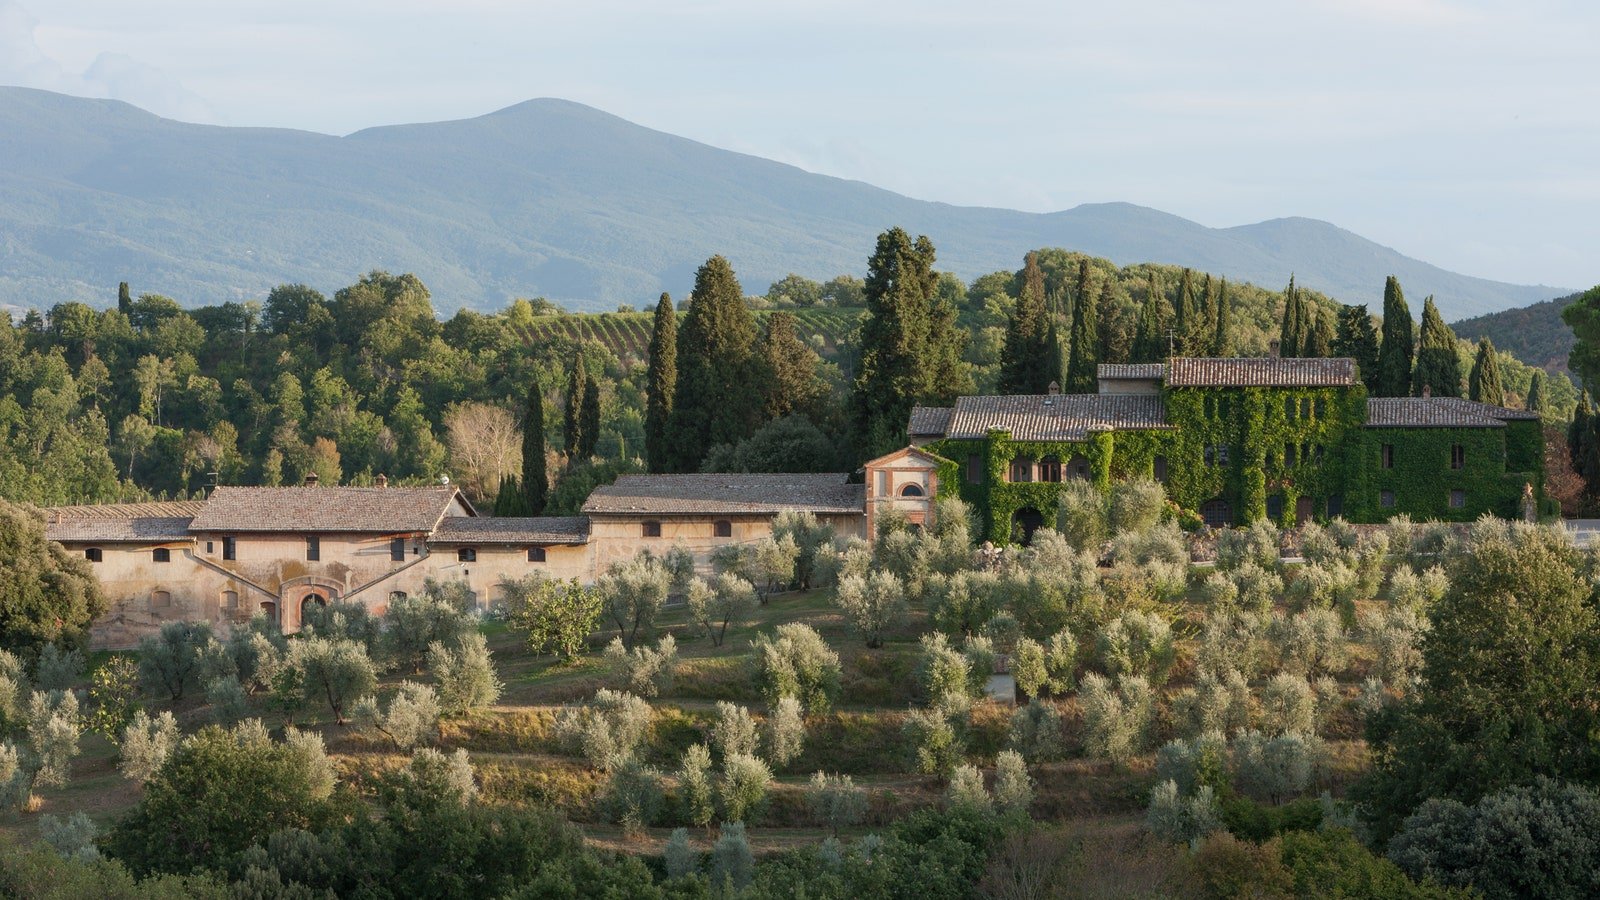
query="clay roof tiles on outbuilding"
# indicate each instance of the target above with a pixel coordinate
(1056, 417)
(328, 509)
(929, 421)
(510, 530)
(1131, 371)
(1439, 412)
(107, 530)
(732, 494)
(1270, 371)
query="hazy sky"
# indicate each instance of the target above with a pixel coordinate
(1463, 133)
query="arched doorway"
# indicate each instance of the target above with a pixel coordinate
(1024, 522)
(1217, 513)
(312, 597)
(269, 609)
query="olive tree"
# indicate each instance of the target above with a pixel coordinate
(645, 671)
(608, 730)
(1036, 731)
(786, 732)
(411, 715)
(1138, 644)
(742, 790)
(169, 660)
(464, 671)
(336, 670)
(146, 744)
(695, 789)
(797, 662)
(1117, 719)
(872, 605)
(1013, 789)
(632, 594)
(734, 731)
(720, 603)
(836, 802)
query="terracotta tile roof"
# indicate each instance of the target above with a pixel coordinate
(1131, 371)
(165, 509)
(1260, 372)
(127, 530)
(1056, 417)
(741, 494)
(929, 421)
(508, 530)
(326, 509)
(1439, 412)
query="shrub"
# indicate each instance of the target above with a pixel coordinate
(169, 659)
(836, 802)
(1274, 768)
(227, 699)
(694, 786)
(1224, 867)
(608, 730)
(936, 749)
(412, 714)
(411, 624)
(632, 797)
(1217, 702)
(1181, 820)
(433, 779)
(966, 790)
(944, 675)
(743, 788)
(720, 603)
(786, 732)
(1288, 705)
(1259, 545)
(1036, 731)
(872, 605)
(678, 858)
(1191, 764)
(58, 669)
(643, 671)
(146, 744)
(734, 732)
(732, 863)
(797, 663)
(1081, 516)
(1137, 644)
(1310, 643)
(72, 837)
(1116, 720)
(1013, 789)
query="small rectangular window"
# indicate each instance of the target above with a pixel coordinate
(1335, 505)
(1458, 456)
(1458, 499)
(92, 554)
(1305, 407)
(1222, 454)
(397, 549)
(313, 547)
(1288, 408)
(1160, 467)
(161, 554)
(883, 483)
(1319, 408)
(1387, 459)
(466, 554)
(724, 528)
(209, 551)
(160, 600)
(975, 468)
(1386, 499)
(1288, 456)
(652, 529)
(535, 554)
(230, 548)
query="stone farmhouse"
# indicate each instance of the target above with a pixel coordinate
(1234, 440)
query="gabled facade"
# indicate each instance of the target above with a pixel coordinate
(1236, 440)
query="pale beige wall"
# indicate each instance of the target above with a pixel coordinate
(133, 584)
(494, 564)
(887, 479)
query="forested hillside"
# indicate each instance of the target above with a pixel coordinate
(1534, 334)
(147, 398)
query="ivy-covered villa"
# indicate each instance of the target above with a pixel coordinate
(1234, 440)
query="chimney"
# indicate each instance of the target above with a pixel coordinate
(382, 480)
(1273, 348)
(311, 479)
(1427, 390)
(1055, 388)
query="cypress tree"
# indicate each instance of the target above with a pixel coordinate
(1537, 402)
(1083, 364)
(1025, 362)
(1580, 434)
(1438, 366)
(535, 481)
(1483, 383)
(1150, 342)
(1190, 322)
(510, 500)
(124, 298)
(589, 430)
(910, 346)
(789, 381)
(1394, 355)
(1111, 335)
(1291, 334)
(572, 423)
(1358, 340)
(661, 382)
(1222, 342)
(1319, 336)
(714, 402)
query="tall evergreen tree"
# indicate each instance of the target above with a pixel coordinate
(1025, 361)
(1191, 324)
(1483, 382)
(572, 423)
(1319, 336)
(661, 383)
(1438, 367)
(510, 500)
(1537, 401)
(714, 402)
(910, 346)
(1291, 334)
(1150, 342)
(589, 429)
(535, 483)
(1394, 354)
(789, 382)
(1222, 341)
(124, 298)
(1357, 339)
(1084, 360)
(1580, 433)
(1112, 335)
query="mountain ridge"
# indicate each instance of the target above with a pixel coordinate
(552, 197)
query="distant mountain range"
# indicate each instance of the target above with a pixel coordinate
(547, 198)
